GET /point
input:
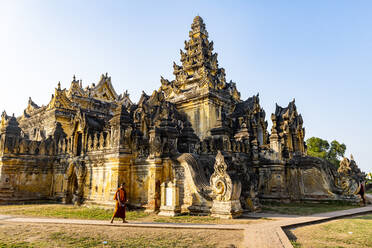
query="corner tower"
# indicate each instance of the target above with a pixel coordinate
(200, 89)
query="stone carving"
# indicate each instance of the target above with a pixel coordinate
(227, 190)
(221, 182)
(350, 177)
(345, 166)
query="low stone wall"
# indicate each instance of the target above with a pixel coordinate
(25, 178)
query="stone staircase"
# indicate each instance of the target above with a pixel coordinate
(6, 194)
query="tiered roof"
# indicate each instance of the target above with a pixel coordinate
(199, 66)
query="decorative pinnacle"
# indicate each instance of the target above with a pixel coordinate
(74, 78)
(59, 85)
(198, 26)
(198, 20)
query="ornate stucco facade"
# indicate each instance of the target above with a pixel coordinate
(191, 146)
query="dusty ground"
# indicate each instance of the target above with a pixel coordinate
(353, 232)
(56, 235)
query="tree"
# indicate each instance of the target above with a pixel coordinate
(336, 151)
(317, 147)
(320, 148)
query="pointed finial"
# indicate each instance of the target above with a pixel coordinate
(198, 19)
(59, 85)
(81, 83)
(106, 74)
(74, 78)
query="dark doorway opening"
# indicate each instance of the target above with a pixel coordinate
(79, 144)
(72, 188)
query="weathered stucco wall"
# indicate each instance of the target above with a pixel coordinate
(25, 178)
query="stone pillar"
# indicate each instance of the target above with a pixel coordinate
(84, 143)
(162, 194)
(276, 146)
(155, 172)
(170, 199)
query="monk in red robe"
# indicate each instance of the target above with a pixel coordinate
(121, 199)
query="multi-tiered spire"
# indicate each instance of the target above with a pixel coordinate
(199, 65)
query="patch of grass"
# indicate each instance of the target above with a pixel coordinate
(304, 208)
(369, 191)
(352, 232)
(295, 244)
(15, 245)
(67, 212)
(186, 218)
(364, 217)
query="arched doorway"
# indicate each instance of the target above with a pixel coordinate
(72, 188)
(75, 175)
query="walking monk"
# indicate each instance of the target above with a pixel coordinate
(121, 199)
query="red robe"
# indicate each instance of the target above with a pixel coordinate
(120, 206)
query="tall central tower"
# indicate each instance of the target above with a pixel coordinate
(200, 89)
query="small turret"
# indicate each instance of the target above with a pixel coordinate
(10, 133)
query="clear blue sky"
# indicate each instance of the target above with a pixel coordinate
(318, 52)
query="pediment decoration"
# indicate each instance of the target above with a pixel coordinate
(76, 89)
(31, 107)
(60, 100)
(125, 100)
(104, 90)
